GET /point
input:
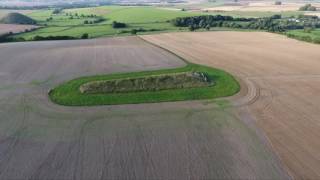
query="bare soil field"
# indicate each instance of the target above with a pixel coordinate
(182, 140)
(280, 87)
(14, 28)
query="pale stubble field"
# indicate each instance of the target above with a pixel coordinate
(281, 77)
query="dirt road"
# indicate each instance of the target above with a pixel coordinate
(185, 140)
(282, 78)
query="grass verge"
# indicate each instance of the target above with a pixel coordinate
(68, 93)
(312, 36)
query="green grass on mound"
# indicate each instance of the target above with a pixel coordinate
(69, 94)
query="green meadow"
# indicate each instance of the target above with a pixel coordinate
(312, 35)
(71, 22)
(135, 17)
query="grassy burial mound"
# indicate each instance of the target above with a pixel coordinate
(187, 83)
(17, 18)
(149, 83)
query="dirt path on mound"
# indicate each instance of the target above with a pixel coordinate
(281, 77)
(182, 140)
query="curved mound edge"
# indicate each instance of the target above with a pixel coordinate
(69, 94)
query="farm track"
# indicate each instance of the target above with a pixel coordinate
(280, 87)
(178, 140)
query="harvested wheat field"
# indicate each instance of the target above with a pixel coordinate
(15, 28)
(260, 7)
(181, 140)
(313, 13)
(280, 87)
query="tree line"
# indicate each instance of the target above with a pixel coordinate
(308, 7)
(8, 38)
(274, 23)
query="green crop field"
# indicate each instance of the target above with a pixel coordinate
(95, 30)
(146, 15)
(71, 22)
(135, 17)
(132, 14)
(309, 36)
(61, 19)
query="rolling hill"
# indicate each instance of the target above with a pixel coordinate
(17, 18)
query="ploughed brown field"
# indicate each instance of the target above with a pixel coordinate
(14, 28)
(182, 140)
(280, 87)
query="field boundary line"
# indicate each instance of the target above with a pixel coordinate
(158, 46)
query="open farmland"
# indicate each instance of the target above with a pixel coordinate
(258, 9)
(133, 14)
(185, 140)
(97, 21)
(262, 6)
(14, 28)
(281, 77)
(147, 18)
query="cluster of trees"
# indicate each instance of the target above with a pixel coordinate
(135, 31)
(57, 11)
(85, 36)
(98, 20)
(274, 23)
(202, 21)
(7, 38)
(209, 21)
(78, 16)
(308, 7)
(41, 38)
(49, 19)
(277, 2)
(268, 24)
(116, 24)
(82, 15)
(4, 37)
